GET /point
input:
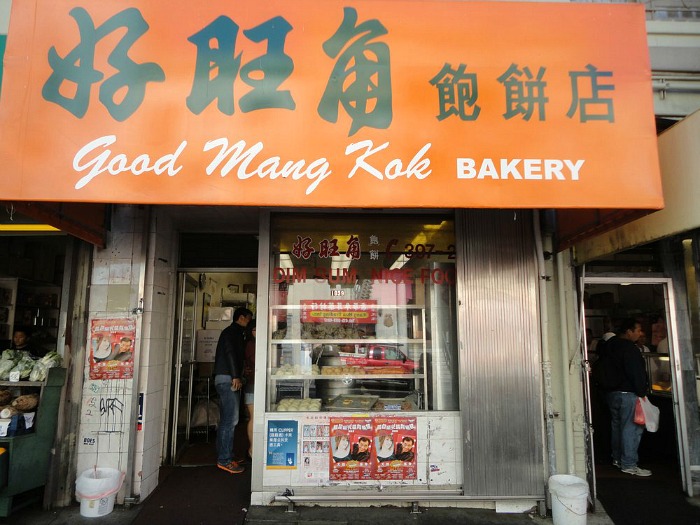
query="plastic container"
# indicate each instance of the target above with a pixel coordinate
(96, 489)
(569, 499)
(94, 508)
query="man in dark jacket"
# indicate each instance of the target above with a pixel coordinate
(228, 372)
(626, 434)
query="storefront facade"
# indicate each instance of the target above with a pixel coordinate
(406, 294)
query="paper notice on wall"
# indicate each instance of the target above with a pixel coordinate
(314, 448)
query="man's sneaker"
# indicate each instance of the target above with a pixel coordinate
(636, 471)
(231, 467)
(243, 461)
(616, 463)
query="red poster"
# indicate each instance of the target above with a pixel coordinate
(395, 445)
(351, 448)
(111, 354)
(339, 311)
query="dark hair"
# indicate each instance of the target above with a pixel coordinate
(627, 324)
(241, 312)
(249, 329)
(408, 438)
(363, 438)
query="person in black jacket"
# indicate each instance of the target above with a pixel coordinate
(228, 374)
(626, 434)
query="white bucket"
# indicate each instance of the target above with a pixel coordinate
(93, 508)
(569, 499)
(96, 489)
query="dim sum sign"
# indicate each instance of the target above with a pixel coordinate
(380, 103)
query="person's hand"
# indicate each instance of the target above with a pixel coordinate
(236, 384)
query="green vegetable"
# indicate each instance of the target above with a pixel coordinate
(24, 367)
(41, 367)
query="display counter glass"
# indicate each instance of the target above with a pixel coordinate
(362, 313)
(659, 372)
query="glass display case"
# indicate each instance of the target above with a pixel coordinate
(338, 365)
(659, 372)
(361, 314)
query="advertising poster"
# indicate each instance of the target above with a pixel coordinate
(314, 448)
(350, 448)
(282, 438)
(339, 311)
(112, 344)
(395, 445)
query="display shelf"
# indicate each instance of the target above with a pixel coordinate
(310, 336)
(340, 377)
(32, 306)
(29, 454)
(385, 340)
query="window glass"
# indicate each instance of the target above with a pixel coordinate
(362, 310)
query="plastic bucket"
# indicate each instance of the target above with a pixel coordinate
(93, 508)
(569, 499)
(96, 489)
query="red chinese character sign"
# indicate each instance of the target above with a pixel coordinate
(339, 311)
(376, 103)
(111, 351)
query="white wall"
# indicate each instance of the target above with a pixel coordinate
(130, 260)
(679, 158)
(4, 15)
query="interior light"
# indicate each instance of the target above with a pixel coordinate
(286, 261)
(28, 228)
(340, 262)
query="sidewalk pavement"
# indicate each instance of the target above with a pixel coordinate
(316, 515)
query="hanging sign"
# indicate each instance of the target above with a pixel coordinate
(382, 103)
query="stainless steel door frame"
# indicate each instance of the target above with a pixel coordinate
(674, 355)
(183, 358)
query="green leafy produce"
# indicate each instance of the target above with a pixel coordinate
(5, 366)
(12, 355)
(24, 367)
(41, 367)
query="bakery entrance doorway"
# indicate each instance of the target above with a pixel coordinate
(206, 301)
(607, 302)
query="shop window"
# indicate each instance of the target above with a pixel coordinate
(362, 313)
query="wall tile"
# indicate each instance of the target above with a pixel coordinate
(119, 298)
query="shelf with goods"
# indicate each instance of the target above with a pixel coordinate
(34, 307)
(383, 358)
(8, 300)
(28, 454)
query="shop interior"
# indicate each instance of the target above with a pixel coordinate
(31, 277)
(605, 305)
(206, 304)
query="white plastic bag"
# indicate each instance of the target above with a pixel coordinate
(96, 483)
(651, 414)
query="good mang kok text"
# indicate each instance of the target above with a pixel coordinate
(243, 161)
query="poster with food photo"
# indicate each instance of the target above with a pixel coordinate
(350, 448)
(395, 446)
(112, 345)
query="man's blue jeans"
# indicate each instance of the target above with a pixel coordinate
(626, 434)
(229, 406)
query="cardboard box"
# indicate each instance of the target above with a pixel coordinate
(206, 345)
